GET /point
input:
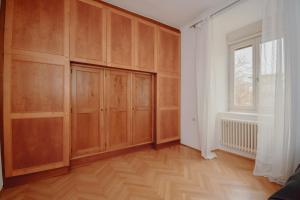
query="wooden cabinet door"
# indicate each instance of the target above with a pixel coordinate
(88, 32)
(145, 50)
(87, 111)
(142, 117)
(168, 52)
(36, 114)
(168, 108)
(120, 39)
(36, 86)
(118, 105)
(37, 26)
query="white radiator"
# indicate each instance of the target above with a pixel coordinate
(238, 136)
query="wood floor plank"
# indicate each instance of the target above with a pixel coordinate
(173, 173)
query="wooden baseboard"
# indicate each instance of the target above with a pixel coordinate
(77, 162)
(166, 144)
(23, 179)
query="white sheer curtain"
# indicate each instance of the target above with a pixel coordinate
(279, 113)
(205, 79)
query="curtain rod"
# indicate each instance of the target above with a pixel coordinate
(215, 13)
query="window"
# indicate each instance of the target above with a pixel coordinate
(244, 65)
(243, 77)
(272, 69)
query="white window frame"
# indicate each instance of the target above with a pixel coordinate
(255, 43)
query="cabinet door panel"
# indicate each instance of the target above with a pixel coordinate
(36, 114)
(118, 118)
(88, 32)
(38, 25)
(120, 39)
(145, 46)
(87, 113)
(87, 139)
(28, 142)
(168, 52)
(142, 108)
(118, 129)
(168, 91)
(37, 87)
(168, 108)
(168, 124)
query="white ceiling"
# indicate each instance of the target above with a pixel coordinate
(175, 13)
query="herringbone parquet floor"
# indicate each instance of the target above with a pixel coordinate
(174, 173)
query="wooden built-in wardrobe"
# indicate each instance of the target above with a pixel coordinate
(111, 109)
(84, 79)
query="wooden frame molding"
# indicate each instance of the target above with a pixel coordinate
(23, 179)
(77, 162)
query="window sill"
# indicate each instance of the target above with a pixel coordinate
(242, 113)
(238, 115)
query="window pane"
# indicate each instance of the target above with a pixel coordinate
(268, 58)
(243, 77)
(272, 73)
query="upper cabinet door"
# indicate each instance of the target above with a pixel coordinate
(120, 39)
(145, 54)
(88, 32)
(37, 26)
(168, 52)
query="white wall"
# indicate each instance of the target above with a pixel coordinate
(188, 90)
(238, 16)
